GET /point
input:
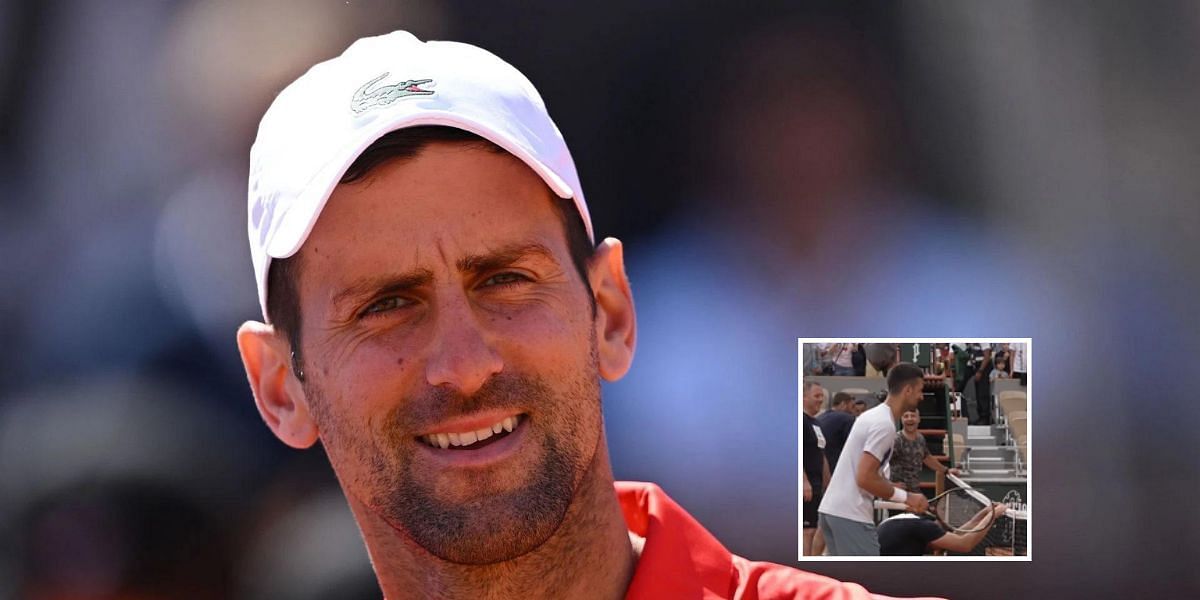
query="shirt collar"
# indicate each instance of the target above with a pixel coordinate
(680, 559)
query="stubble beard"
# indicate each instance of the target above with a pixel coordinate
(916, 400)
(487, 529)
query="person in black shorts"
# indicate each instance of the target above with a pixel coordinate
(816, 467)
(910, 535)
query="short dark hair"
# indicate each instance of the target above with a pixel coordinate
(841, 398)
(283, 298)
(902, 375)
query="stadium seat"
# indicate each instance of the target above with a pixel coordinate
(1009, 393)
(960, 446)
(1012, 401)
(1019, 429)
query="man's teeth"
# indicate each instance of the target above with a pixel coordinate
(445, 440)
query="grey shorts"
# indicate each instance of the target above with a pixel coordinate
(844, 537)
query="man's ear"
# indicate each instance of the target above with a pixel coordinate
(616, 323)
(278, 394)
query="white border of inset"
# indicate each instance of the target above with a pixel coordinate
(918, 340)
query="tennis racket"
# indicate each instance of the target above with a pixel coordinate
(1010, 512)
(959, 509)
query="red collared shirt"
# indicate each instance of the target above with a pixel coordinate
(682, 560)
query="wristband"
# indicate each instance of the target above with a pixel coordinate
(899, 495)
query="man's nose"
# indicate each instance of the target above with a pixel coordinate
(461, 355)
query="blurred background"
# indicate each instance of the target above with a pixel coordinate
(776, 170)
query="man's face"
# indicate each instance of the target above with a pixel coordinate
(813, 399)
(910, 419)
(440, 304)
(913, 393)
(858, 409)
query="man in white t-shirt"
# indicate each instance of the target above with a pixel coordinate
(846, 515)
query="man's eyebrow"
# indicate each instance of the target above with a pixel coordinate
(372, 286)
(475, 263)
(503, 257)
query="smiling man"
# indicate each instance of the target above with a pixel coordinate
(439, 318)
(846, 517)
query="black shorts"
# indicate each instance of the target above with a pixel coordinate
(810, 508)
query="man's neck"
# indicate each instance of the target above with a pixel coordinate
(897, 407)
(591, 555)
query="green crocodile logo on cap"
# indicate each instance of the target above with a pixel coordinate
(366, 98)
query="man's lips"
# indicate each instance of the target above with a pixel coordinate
(469, 432)
(452, 450)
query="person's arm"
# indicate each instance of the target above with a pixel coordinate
(881, 437)
(965, 542)
(825, 474)
(937, 465)
(869, 480)
(808, 491)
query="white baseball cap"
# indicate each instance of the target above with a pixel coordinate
(318, 126)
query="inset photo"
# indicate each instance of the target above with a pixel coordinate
(915, 449)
